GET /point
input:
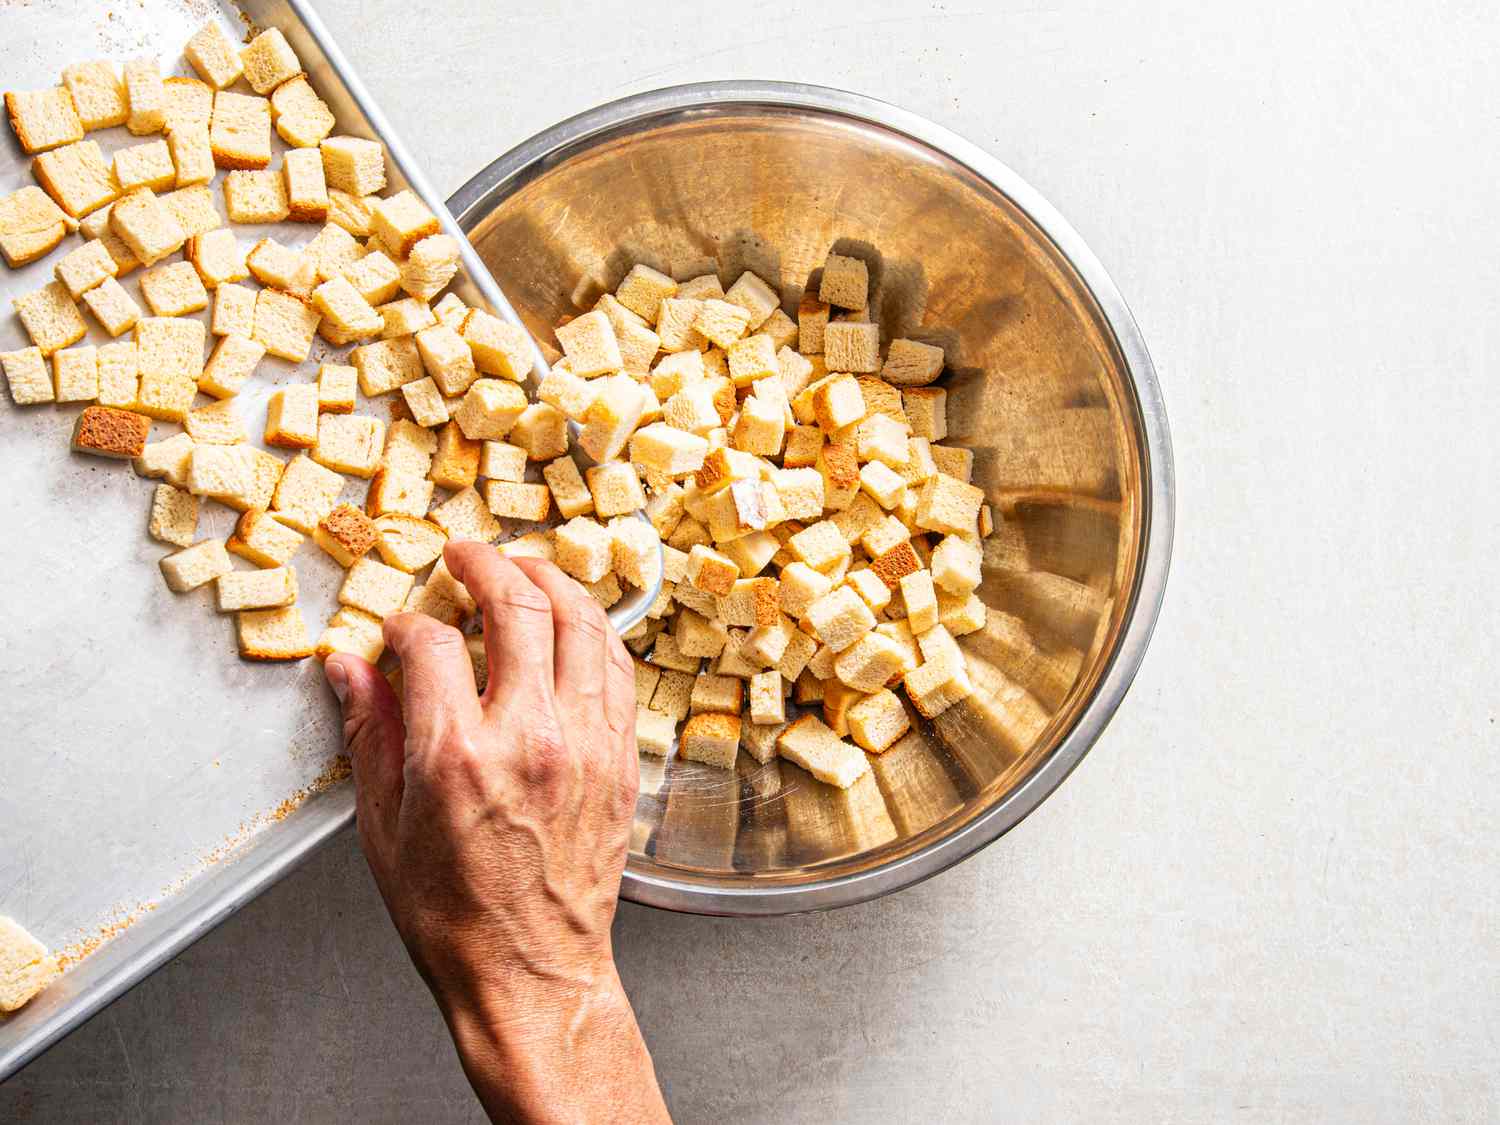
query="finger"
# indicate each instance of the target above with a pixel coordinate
(580, 643)
(619, 707)
(517, 622)
(375, 739)
(437, 678)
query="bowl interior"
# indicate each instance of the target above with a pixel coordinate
(1038, 391)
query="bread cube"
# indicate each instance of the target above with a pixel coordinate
(673, 694)
(256, 589)
(375, 588)
(306, 190)
(713, 739)
(346, 534)
(761, 427)
(837, 403)
(268, 61)
(408, 542)
(347, 316)
(877, 721)
(613, 417)
(213, 56)
(926, 410)
(187, 103)
(675, 325)
(348, 443)
(710, 571)
(31, 225)
(450, 362)
(193, 566)
(273, 634)
(351, 213)
(263, 539)
(426, 403)
(882, 484)
(75, 374)
(168, 459)
(218, 258)
(956, 565)
(532, 545)
(174, 290)
(50, 318)
(239, 132)
(409, 448)
(757, 298)
(107, 431)
(717, 694)
(570, 394)
(27, 375)
(174, 516)
(910, 363)
(353, 631)
(404, 317)
(464, 515)
(219, 471)
(119, 377)
(399, 491)
(77, 177)
(191, 155)
(868, 585)
(306, 493)
(590, 345)
(401, 221)
(800, 586)
(43, 119)
(542, 431)
(234, 311)
(490, 408)
(302, 118)
(453, 312)
(98, 94)
(852, 346)
(751, 602)
(497, 347)
(635, 552)
(84, 267)
(668, 450)
(386, 364)
(693, 409)
(654, 732)
(284, 324)
(193, 208)
(292, 417)
(583, 549)
(517, 501)
(723, 323)
(810, 743)
(845, 283)
(354, 165)
(870, 663)
(456, 463)
(281, 267)
(840, 618)
(145, 97)
(938, 684)
(569, 492)
(643, 290)
(820, 546)
(146, 165)
(884, 440)
(616, 489)
(949, 505)
(767, 699)
(215, 424)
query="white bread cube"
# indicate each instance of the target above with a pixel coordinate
(840, 618)
(375, 588)
(956, 565)
(284, 324)
(532, 545)
(408, 542)
(949, 505)
(751, 602)
(751, 359)
(767, 700)
(386, 365)
(518, 501)
(542, 431)
(613, 417)
(882, 398)
(77, 177)
(425, 402)
(962, 613)
(590, 345)
(145, 165)
(676, 325)
(643, 290)
(409, 448)
(759, 740)
(757, 298)
(256, 589)
(721, 322)
(783, 332)
(801, 585)
(570, 394)
(146, 97)
(449, 360)
(404, 317)
(239, 132)
(646, 679)
(354, 165)
(215, 424)
(502, 461)
(273, 634)
(870, 663)
(845, 282)
(399, 491)
(31, 225)
(820, 545)
(43, 119)
(453, 312)
(668, 450)
(910, 363)
(268, 61)
(348, 443)
(194, 209)
(926, 409)
(174, 516)
(673, 695)
(654, 732)
(264, 539)
(765, 645)
(174, 290)
(256, 196)
(50, 317)
(345, 534)
(306, 190)
(281, 267)
(167, 459)
(84, 267)
(401, 221)
(812, 320)
(490, 407)
(883, 484)
(936, 685)
(721, 694)
(878, 721)
(838, 402)
(751, 553)
(883, 439)
(302, 118)
(869, 586)
(571, 495)
(801, 492)
(26, 966)
(213, 56)
(713, 739)
(432, 264)
(710, 571)
(219, 471)
(351, 213)
(218, 257)
(27, 375)
(635, 552)
(234, 311)
(616, 489)
(292, 417)
(192, 155)
(332, 251)
(810, 743)
(852, 346)
(119, 375)
(497, 347)
(701, 288)
(306, 493)
(186, 102)
(167, 398)
(937, 644)
(799, 651)
(353, 631)
(761, 427)
(193, 566)
(455, 465)
(75, 374)
(232, 363)
(347, 316)
(583, 549)
(464, 515)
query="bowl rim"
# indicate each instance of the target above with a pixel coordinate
(474, 200)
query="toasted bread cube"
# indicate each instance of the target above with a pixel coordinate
(174, 516)
(353, 631)
(273, 634)
(665, 511)
(674, 689)
(961, 614)
(870, 663)
(666, 653)
(613, 417)
(401, 221)
(107, 431)
(214, 58)
(187, 102)
(268, 61)
(812, 320)
(895, 564)
(346, 534)
(218, 257)
(643, 290)
(43, 119)
(502, 461)
(490, 408)
(755, 297)
(724, 323)
(234, 310)
(112, 307)
(701, 288)
(450, 362)
(240, 131)
(302, 118)
(583, 549)
(442, 583)
(306, 191)
(347, 315)
(675, 325)
(693, 408)
(215, 424)
(846, 282)
(174, 290)
(716, 694)
(464, 515)
(75, 374)
(348, 443)
(761, 428)
(882, 536)
(801, 492)
(803, 444)
(882, 399)
(542, 431)
(306, 493)
(810, 743)
(840, 618)
(616, 489)
(432, 602)
(710, 571)
(654, 732)
(852, 346)
(767, 700)
(954, 462)
(456, 464)
(910, 363)
(568, 490)
(433, 262)
(256, 589)
(668, 450)
(877, 721)
(920, 466)
(219, 471)
(688, 534)
(783, 332)
(50, 318)
(751, 602)
(453, 312)
(590, 345)
(926, 410)
(425, 402)
(167, 459)
(284, 324)
(263, 539)
(409, 448)
(281, 267)
(85, 267)
(193, 566)
(713, 739)
(949, 505)
(518, 501)
(377, 589)
(820, 545)
(193, 209)
(26, 373)
(532, 545)
(570, 394)
(353, 165)
(400, 491)
(497, 348)
(408, 542)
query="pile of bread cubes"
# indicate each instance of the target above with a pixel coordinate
(814, 539)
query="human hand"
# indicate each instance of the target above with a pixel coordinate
(497, 826)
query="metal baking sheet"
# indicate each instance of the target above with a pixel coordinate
(151, 782)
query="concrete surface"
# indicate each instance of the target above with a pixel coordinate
(1271, 891)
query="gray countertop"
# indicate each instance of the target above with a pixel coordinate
(1271, 891)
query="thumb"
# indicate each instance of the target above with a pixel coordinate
(375, 739)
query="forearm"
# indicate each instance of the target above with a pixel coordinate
(574, 1056)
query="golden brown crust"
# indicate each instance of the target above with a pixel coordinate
(350, 528)
(766, 601)
(896, 564)
(111, 432)
(881, 398)
(841, 465)
(713, 725)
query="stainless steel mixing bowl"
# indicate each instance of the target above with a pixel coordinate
(1049, 384)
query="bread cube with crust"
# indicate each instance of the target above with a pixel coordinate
(710, 571)
(353, 631)
(273, 634)
(213, 56)
(911, 363)
(845, 283)
(502, 461)
(811, 744)
(751, 602)
(256, 196)
(239, 132)
(399, 490)
(268, 588)
(346, 534)
(292, 417)
(194, 566)
(517, 500)
(84, 267)
(234, 311)
(348, 443)
(77, 176)
(643, 290)
(721, 694)
(583, 549)
(938, 684)
(347, 316)
(870, 663)
(401, 221)
(616, 489)
(712, 738)
(306, 190)
(43, 119)
(215, 424)
(497, 347)
(218, 257)
(306, 493)
(174, 516)
(568, 489)
(455, 465)
(377, 589)
(284, 324)
(386, 365)
(449, 360)
(722, 323)
(31, 225)
(674, 689)
(354, 165)
(635, 552)
(949, 505)
(654, 732)
(613, 417)
(263, 539)
(767, 699)
(302, 118)
(408, 542)
(956, 565)
(877, 721)
(107, 431)
(433, 262)
(676, 325)
(757, 298)
(840, 618)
